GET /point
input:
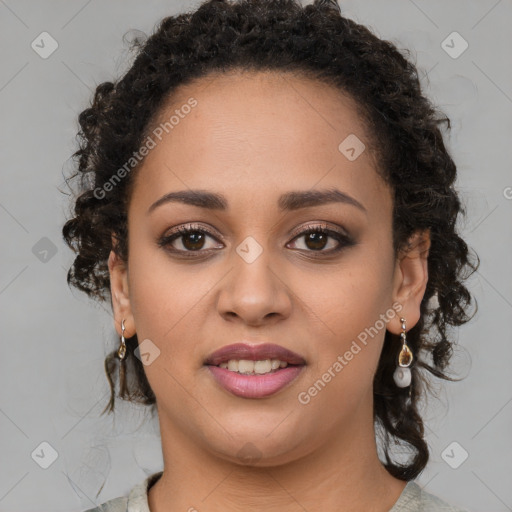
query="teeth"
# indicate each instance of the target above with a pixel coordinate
(245, 366)
(248, 367)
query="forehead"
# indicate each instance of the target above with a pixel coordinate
(259, 133)
(266, 108)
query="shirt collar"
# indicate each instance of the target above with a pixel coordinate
(138, 496)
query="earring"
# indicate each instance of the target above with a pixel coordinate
(402, 375)
(121, 351)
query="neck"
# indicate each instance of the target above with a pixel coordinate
(343, 473)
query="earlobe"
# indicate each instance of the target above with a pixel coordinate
(411, 277)
(120, 294)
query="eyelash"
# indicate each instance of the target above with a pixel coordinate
(166, 241)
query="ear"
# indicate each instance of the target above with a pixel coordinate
(410, 280)
(120, 294)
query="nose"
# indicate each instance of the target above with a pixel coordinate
(255, 293)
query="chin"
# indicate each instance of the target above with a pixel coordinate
(258, 448)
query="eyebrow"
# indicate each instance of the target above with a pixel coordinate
(293, 200)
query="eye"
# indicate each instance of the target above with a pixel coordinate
(190, 237)
(316, 239)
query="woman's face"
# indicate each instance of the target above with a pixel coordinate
(255, 139)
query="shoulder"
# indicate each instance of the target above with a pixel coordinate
(115, 505)
(135, 501)
(415, 499)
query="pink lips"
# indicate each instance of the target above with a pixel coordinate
(254, 386)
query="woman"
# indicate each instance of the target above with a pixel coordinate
(267, 201)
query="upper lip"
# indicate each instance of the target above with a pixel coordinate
(253, 353)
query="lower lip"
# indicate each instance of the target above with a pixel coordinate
(255, 386)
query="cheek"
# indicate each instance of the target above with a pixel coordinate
(348, 312)
(156, 296)
(169, 304)
(163, 309)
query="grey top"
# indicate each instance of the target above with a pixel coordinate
(412, 499)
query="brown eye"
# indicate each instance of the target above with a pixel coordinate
(191, 238)
(316, 239)
(187, 240)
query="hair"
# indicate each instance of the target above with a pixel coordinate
(313, 41)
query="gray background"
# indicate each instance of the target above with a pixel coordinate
(54, 339)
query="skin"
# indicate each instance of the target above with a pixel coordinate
(252, 137)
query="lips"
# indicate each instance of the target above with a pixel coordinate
(254, 353)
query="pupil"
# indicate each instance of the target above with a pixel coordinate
(197, 239)
(320, 239)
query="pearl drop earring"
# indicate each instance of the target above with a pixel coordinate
(402, 375)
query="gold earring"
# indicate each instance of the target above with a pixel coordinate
(402, 375)
(121, 351)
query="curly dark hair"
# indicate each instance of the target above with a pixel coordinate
(313, 41)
